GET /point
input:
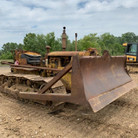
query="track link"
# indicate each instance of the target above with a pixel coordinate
(12, 84)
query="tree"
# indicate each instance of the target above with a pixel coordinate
(7, 50)
(129, 37)
(111, 43)
(88, 41)
(37, 43)
(30, 42)
(9, 47)
(51, 41)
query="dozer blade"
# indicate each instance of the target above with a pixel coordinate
(105, 79)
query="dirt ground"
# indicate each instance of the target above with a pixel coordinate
(25, 120)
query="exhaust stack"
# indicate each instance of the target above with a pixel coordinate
(75, 41)
(47, 49)
(64, 39)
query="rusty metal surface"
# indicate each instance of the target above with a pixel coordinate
(96, 81)
(6, 63)
(76, 41)
(32, 53)
(100, 101)
(56, 78)
(35, 78)
(90, 51)
(76, 96)
(66, 53)
(105, 79)
(64, 39)
(34, 67)
(132, 64)
(23, 57)
(26, 69)
(102, 75)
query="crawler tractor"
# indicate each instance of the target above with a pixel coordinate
(79, 77)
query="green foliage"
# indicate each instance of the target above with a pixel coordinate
(6, 55)
(35, 43)
(111, 43)
(88, 41)
(129, 37)
(70, 45)
(38, 42)
(104, 42)
(7, 49)
(52, 42)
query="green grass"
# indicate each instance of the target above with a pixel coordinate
(8, 60)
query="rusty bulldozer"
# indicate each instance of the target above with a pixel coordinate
(88, 79)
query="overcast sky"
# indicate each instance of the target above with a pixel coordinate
(19, 17)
